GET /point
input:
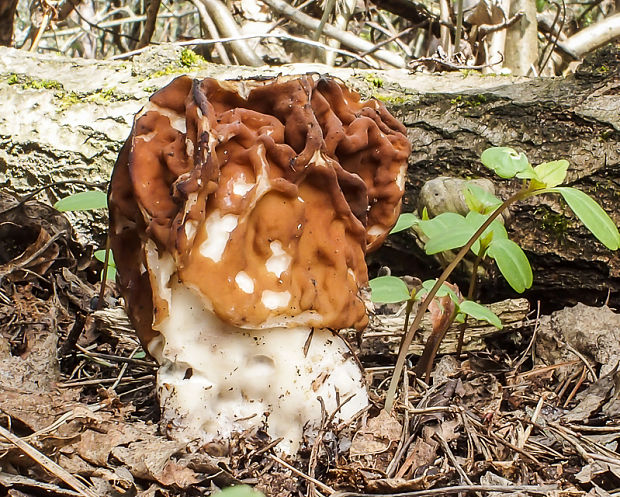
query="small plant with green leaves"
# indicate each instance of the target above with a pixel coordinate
(481, 232)
(88, 201)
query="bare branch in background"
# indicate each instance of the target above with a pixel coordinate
(521, 51)
(327, 11)
(296, 39)
(7, 18)
(593, 36)
(414, 12)
(149, 26)
(227, 26)
(210, 28)
(384, 42)
(444, 31)
(344, 37)
(344, 11)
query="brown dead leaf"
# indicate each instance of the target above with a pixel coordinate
(152, 460)
(377, 435)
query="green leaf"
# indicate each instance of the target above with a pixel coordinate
(239, 491)
(405, 221)
(512, 262)
(450, 239)
(100, 256)
(388, 290)
(83, 201)
(552, 173)
(592, 216)
(480, 200)
(442, 224)
(480, 312)
(494, 230)
(444, 290)
(506, 162)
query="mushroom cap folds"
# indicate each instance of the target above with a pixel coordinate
(266, 195)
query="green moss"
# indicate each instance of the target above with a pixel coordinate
(374, 80)
(188, 60)
(552, 222)
(393, 99)
(29, 83)
(68, 98)
(474, 101)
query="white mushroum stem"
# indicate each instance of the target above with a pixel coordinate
(216, 379)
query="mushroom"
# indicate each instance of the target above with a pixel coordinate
(240, 216)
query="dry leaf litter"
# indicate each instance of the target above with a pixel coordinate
(529, 410)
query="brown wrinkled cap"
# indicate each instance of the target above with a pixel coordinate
(256, 189)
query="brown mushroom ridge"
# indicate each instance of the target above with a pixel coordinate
(266, 194)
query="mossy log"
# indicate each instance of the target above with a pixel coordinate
(65, 119)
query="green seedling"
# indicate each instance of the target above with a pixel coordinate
(481, 232)
(83, 201)
(88, 201)
(240, 491)
(100, 255)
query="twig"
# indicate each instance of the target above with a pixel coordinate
(211, 28)
(344, 37)
(47, 463)
(149, 25)
(124, 368)
(557, 32)
(573, 392)
(38, 190)
(103, 381)
(382, 43)
(583, 359)
(530, 345)
(485, 29)
(450, 65)
(47, 16)
(8, 480)
(227, 26)
(248, 37)
(327, 10)
(117, 22)
(319, 484)
(507, 489)
(446, 448)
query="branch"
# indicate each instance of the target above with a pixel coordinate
(209, 26)
(592, 37)
(485, 29)
(249, 37)
(149, 25)
(344, 37)
(227, 26)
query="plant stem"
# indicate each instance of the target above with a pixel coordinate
(470, 296)
(406, 341)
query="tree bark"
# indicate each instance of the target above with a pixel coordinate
(73, 115)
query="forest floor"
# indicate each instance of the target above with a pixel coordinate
(533, 410)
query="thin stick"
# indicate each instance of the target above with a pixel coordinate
(47, 463)
(319, 484)
(249, 37)
(508, 489)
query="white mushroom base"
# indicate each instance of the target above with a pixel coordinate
(216, 379)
